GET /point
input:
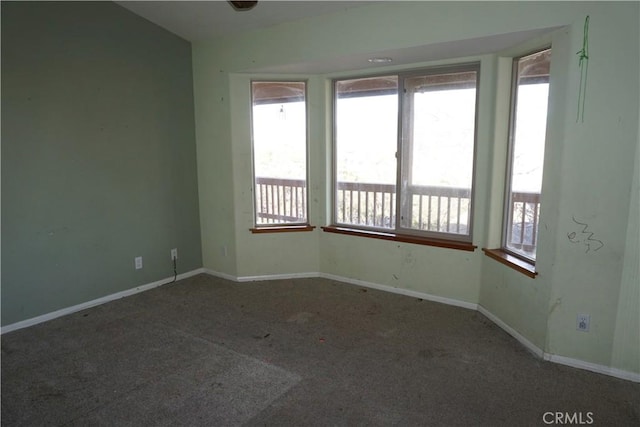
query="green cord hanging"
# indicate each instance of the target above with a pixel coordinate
(583, 63)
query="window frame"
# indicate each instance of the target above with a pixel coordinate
(334, 164)
(506, 208)
(280, 226)
(399, 233)
(443, 69)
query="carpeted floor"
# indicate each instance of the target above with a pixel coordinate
(209, 352)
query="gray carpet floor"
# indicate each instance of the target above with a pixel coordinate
(208, 352)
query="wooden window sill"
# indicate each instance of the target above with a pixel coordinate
(406, 238)
(282, 229)
(524, 267)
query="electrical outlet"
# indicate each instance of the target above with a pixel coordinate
(174, 254)
(138, 262)
(223, 251)
(582, 322)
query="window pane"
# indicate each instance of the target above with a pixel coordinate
(280, 152)
(366, 134)
(528, 128)
(439, 115)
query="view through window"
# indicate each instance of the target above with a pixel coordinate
(279, 131)
(366, 141)
(530, 95)
(438, 151)
(421, 157)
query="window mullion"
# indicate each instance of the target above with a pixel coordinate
(400, 154)
(506, 228)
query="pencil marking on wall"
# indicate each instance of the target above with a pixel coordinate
(585, 237)
(583, 64)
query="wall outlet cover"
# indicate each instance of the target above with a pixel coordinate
(582, 322)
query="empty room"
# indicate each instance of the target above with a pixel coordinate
(296, 213)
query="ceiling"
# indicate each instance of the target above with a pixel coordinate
(202, 20)
(413, 55)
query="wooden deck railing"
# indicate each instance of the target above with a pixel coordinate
(442, 209)
(281, 201)
(366, 204)
(432, 208)
(525, 211)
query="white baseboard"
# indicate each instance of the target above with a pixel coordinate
(515, 334)
(261, 278)
(535, 350)
(277, 277)
(593, 367)
(575, 363)
(401, 291)
(562, 360)
(75, 308)
(220, 275)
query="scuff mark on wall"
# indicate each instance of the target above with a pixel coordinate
(54, 231)
(555, 305)
(408, 259)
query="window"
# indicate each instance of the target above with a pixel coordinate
(528, 124)
(279, 132)
(404, 152)
(366, 140)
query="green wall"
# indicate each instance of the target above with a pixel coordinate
(593, 184)
(626, 345)
(98, 155)
(589, 167)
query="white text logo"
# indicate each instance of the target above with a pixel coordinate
(568, 418)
